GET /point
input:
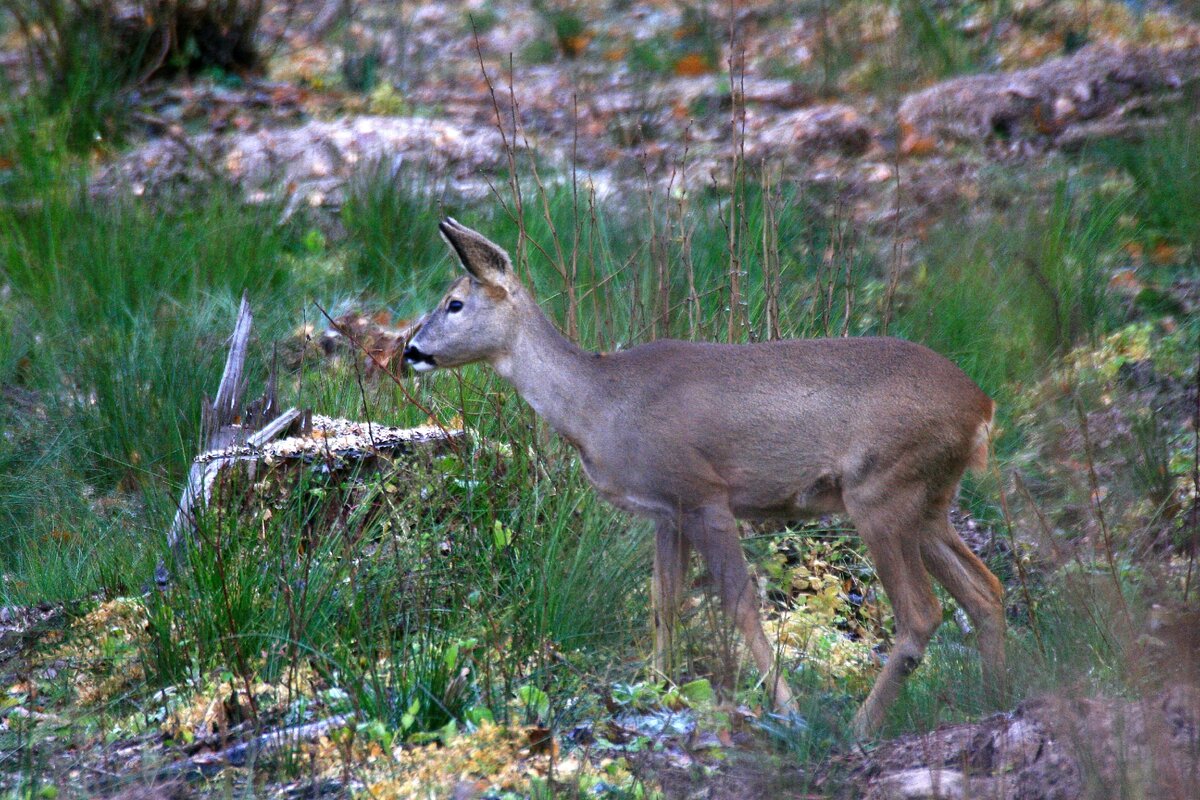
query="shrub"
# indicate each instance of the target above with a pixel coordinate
(89, 52)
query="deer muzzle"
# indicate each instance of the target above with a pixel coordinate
(418, 360)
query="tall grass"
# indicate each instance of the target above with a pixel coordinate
(1165, 169)
(471, 588)
(1003, 297)
(114, 318)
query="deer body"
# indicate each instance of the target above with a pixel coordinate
(695, 436)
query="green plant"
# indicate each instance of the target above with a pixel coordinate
(87, 53)
(570, 30)
(1153, 477)
(388, 215)
(117, 292)
(1002, 297)
(1165, 169)
(935, 37)
(538, 51)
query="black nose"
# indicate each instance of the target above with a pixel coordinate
(415, 356)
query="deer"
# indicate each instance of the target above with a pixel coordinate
(696, 436)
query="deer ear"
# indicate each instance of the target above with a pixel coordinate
(485, 260)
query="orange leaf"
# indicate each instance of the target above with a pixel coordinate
(1164, 253)
(1125, 280)
(572, 46)
(691, 65)
(541, 740)
(912, 143)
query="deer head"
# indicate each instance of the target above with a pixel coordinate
(480, 315)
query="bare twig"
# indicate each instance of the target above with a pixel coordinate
(737, 199)
(329, 15)
(889, 297)
(1098, 507)
(1193, 538)
(1021, 576)
(262, 746)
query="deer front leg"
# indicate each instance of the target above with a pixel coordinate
(671, 553)
(712, 530)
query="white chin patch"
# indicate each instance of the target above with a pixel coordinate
(421, 366)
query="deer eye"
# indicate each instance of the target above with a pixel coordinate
(454, 306)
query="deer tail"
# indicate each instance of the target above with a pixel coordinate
(981, 444)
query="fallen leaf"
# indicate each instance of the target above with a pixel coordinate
(692, 65)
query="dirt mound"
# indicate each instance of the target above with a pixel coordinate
(1098, 91)
(1050, 748)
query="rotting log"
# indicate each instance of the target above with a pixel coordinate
(209, 762)
(259, 435)
(1095, 93)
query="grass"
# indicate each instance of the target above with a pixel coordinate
(1165, 168)
(1006, 296)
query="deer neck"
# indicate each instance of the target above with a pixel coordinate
(553, 374)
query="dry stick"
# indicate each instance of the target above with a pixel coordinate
(522, 233)
(897, 249)
(260, 746)
(737, 199)
(604, 338)
(771, 261)
(1012, 543)
(1094, 484)
(685, 239)
(175, 134)
(158, 60)
(559, 261)
(835, 267)
(664, 246)
(1195, 512)
(517, 213)
(577, 227)
(661, 298)
(848, 289)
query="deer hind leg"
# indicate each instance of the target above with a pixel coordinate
(892, 534)
(977, 590)
(713, 532)
(671, 552)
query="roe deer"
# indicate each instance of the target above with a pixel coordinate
(696, 436)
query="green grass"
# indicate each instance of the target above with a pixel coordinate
(1005, 296)
(1165, 169)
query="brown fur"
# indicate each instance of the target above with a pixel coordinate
(695, 436)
